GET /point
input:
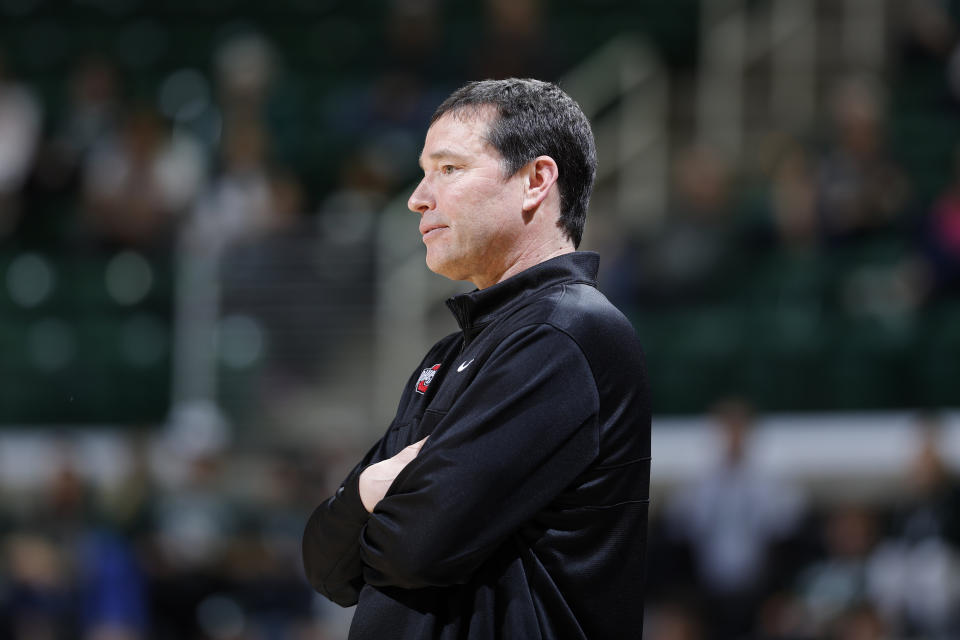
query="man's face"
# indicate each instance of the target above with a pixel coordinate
(471, 216)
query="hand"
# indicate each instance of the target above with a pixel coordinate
(377, 478)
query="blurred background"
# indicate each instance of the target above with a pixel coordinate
(211, 294)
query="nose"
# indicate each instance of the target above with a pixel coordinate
(421, 200)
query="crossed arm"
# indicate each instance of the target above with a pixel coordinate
(376, 479)
(431, 513)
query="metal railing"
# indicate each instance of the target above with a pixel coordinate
(797, 49)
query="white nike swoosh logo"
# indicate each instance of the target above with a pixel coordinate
(465, 365)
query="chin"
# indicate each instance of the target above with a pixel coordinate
(444, 268)
(436, 265)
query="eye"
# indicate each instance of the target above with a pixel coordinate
(447, 169)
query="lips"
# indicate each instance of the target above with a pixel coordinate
(430, 229)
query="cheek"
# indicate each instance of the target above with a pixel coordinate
(481, 211)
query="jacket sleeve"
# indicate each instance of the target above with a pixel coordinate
(517, 436)
(331, 540)
(331, 554)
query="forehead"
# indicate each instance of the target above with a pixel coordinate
(463, 131)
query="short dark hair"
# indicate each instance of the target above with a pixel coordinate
(536, 118)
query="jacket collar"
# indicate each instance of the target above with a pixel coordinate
(480, 306)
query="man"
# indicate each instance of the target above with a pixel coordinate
(508, 498)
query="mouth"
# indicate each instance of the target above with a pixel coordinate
(431, 230)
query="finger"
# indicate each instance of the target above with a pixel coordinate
(416, 446)
(412, 448)
(410, 452)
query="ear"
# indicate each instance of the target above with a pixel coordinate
(540, 176)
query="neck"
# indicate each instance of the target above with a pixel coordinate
(528, 258)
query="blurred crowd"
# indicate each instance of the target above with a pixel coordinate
(742, 553)
(807, 196)
(232, 157)
(108, 167)
(169, 546)
(102, 162)
(207, 546)
(879, 165)
(104, 171)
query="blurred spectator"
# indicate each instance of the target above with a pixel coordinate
(288, 201)
(916, 571)
(782, 616)
(672, 621)
(20, 121)
(194, 518)
(38, 591)
(380, 122)
(928, 27)
(246, 198)
(840, 581)
(860, 187)
(514, 43)
(860, 622)
(111, 588)
(942, 234)
(413, 31)
(88, 117)
(265, 564)
(194, 522)
(124, 506)
(777, 202)
(793, 199)
(385, 121)
(346, 215)
(731, 518)
(696, 239)
(94, 107)
(246, 66)
(932, 507)
(137, 184)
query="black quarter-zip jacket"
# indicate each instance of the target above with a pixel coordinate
(524, 515)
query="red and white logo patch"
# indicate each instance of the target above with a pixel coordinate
(425, 377)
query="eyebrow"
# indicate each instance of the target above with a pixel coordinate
(442, 153)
